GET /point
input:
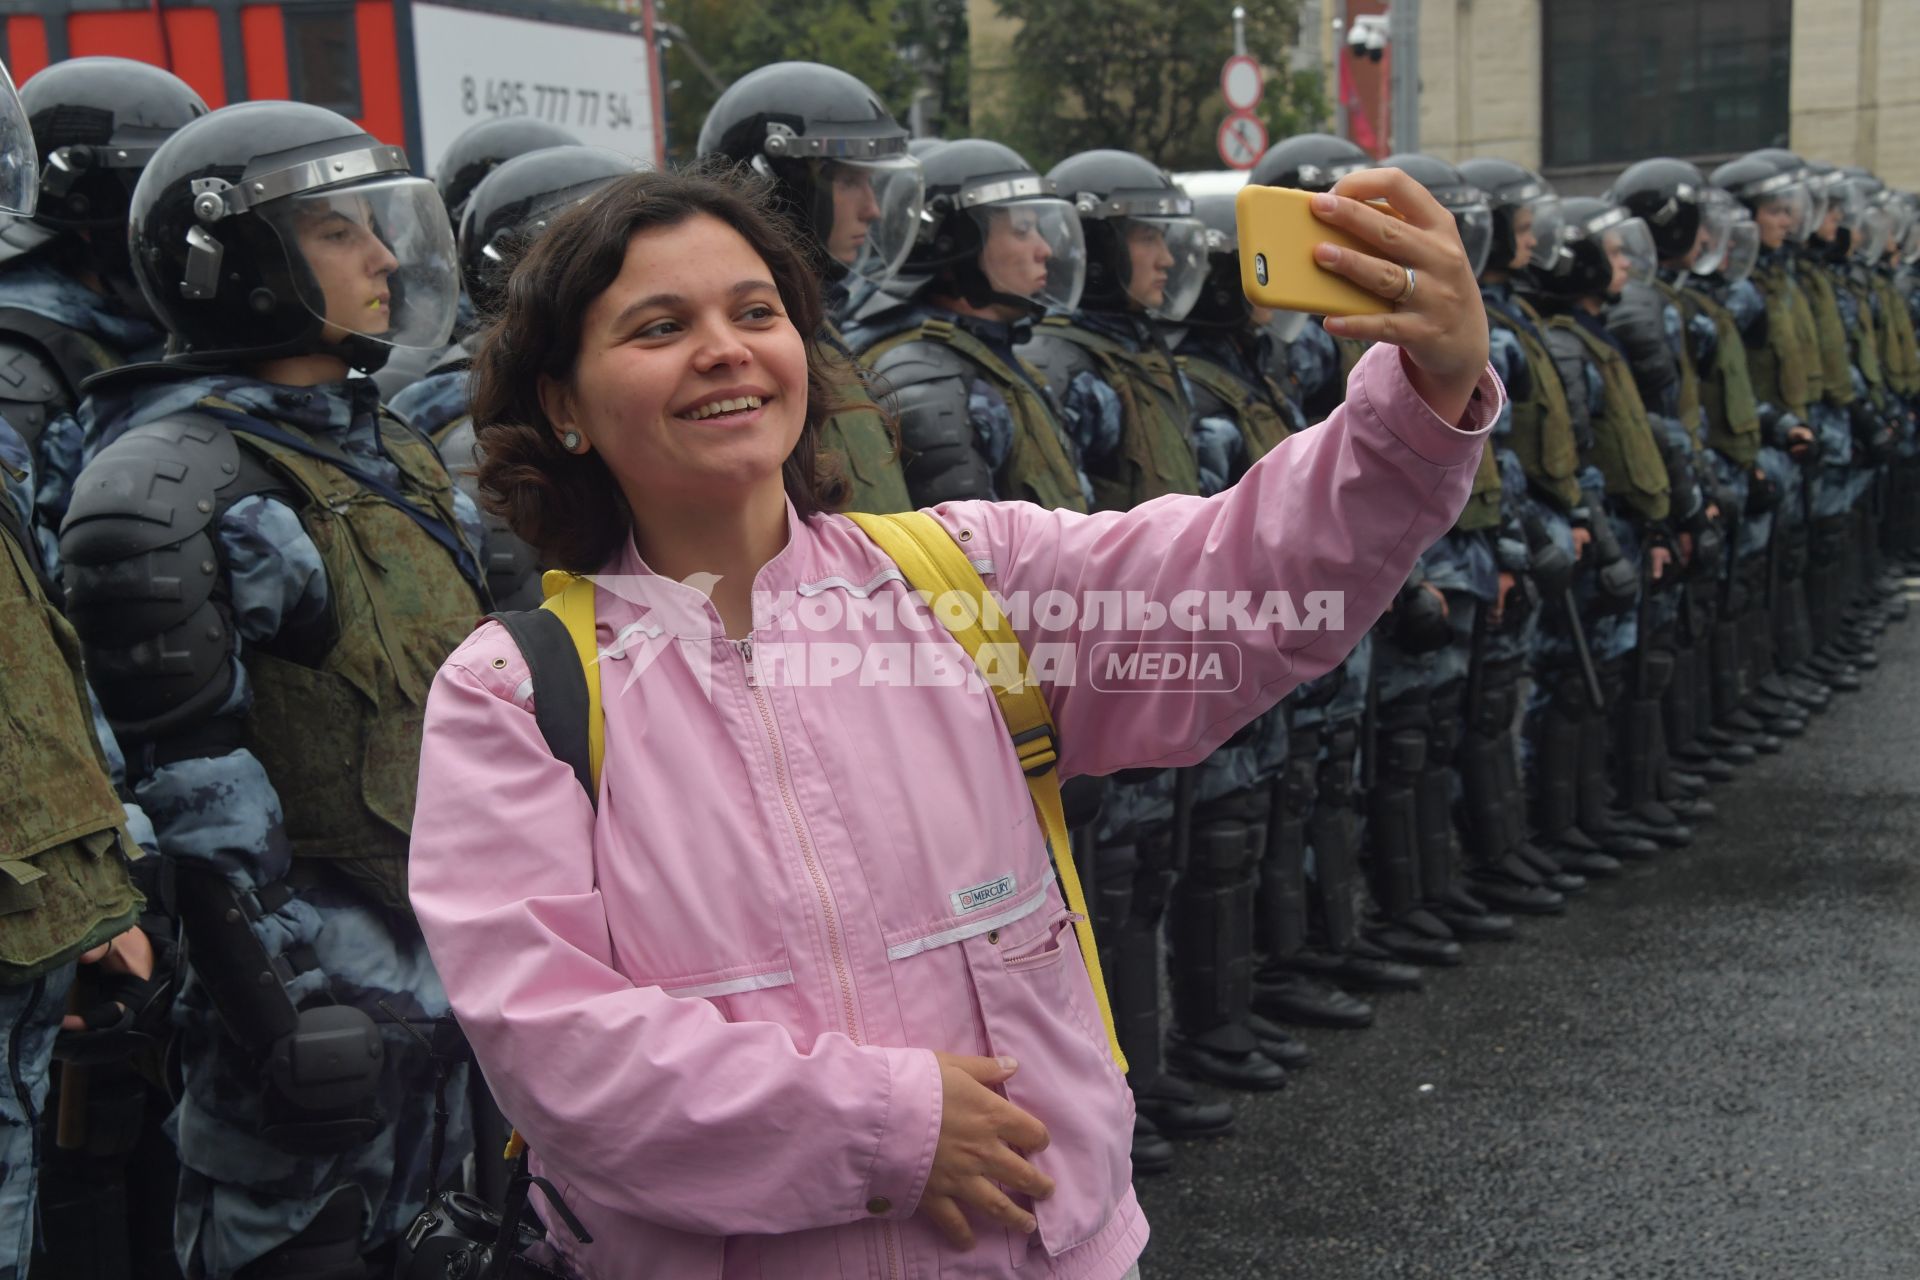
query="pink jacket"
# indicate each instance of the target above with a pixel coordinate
(709, 1005)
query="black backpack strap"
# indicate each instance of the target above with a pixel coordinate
(559, 684)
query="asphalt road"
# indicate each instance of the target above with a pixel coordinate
(1704, 1070)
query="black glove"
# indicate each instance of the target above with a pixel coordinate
(1420, 621)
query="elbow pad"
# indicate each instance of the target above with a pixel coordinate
(1420, 622)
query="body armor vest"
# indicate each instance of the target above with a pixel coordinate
(1156, 449)
(1830, 335)
(64, 846)
(1040, 467)
(1350, 349)
(1483, 504)
(1899, 350)
(856, 433)
(1784, 369)
(1623, 445)
(1542, 423)
(339, 735)
(1864, 341)
(1256, 413)
(1726, 392)
(1688, 397)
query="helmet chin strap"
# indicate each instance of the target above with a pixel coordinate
(972, 284)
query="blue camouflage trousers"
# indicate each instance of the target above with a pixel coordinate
(241, 1195)
(29, 1019)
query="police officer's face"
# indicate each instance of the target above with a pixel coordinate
(1523, 238)
(1148, 264)
(352, 266)
(1016, 254)
(690, 381)
(1622, 264)
(855, 208)
(1830, 223)
(1775, 219)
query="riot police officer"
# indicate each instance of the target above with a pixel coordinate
(1240, 826)
(1131, 415)
(840, 163)
(265, 568)
(1325, 715)
(996, 249)
(1430, 674)
(509, 207)
(69, 307)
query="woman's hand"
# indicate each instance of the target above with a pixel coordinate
(1443, 326)
(983, 1142)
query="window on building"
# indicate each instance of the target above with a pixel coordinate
(1626, 79)
(323, 57)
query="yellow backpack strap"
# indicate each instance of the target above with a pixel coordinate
(571, 597)
(935, 566)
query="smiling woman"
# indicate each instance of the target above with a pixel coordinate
(792, 989)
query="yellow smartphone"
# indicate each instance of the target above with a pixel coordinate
(1277, 234)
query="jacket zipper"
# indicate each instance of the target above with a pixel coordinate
(814, 873)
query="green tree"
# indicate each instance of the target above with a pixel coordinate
(895, 46)
(1141, 75)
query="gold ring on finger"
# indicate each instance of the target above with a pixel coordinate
(1406, 294)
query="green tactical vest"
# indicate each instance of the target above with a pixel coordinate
(1040, 467)
(1785, 368)
(1155, 447)
(1864, 341)
(64, 846)
(1262, 426)
(340, 737)
(1726, 393)
(1900, 352)
(1830, 335)
(1483, 504)
(1688, 400)
(1623, 445)
(1542, 423)
(1350, 349)
(856, 434)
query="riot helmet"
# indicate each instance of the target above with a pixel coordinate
(279, 228)
(837, 157)
(513, 204)
(1517, 196)
(19, 161)
(96, 124)
(1594, 249)
(1720, 213)
(918, 148)
(1904, 209)
(1145, 249)
(995, 231)
(1776, 192)
(1671, 197)
(1867, 222)
(1471, 209)
(1309, 162)
(485, 147)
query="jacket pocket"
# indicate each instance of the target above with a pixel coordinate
(1037, 1006)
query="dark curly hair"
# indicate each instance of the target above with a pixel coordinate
(567, 506)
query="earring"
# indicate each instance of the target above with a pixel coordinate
(571, 442)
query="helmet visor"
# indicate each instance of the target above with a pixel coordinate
(1901, 214)
(1475, 224)
(1164, 264)
(1284, 327)
(1629, 245)
(1869, 235)
(1033, 249)
(1743, 250)
(869, 211)
(379, 260)
(1797, 201)
(19, 163)
(1717, 216)
(1532, 221)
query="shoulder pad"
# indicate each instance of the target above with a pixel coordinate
(32, 389)
(154, 486)
(21, 236)
(1206, 404)
(460, 452)
(923, 360)
(1058, 360)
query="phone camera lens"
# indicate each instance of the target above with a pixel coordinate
(1260, 267)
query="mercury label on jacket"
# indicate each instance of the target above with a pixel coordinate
(967, 901)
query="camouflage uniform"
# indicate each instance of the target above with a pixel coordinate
(114, 337)
(240, 1194)
(39, 935)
